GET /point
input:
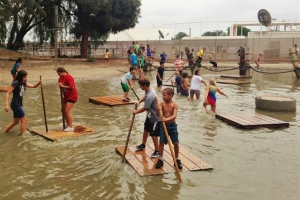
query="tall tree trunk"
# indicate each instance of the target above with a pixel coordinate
(84, 45)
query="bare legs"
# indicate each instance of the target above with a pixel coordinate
(67, 113)
(154, 139)
(15, 122)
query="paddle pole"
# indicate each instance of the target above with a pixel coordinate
(169, 143)
(135, 94)
(128, 136)
(171, 76)
(44, 108)
(62, 107)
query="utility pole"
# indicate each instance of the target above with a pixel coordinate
(55, 35)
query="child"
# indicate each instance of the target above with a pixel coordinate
(178, 64)
(18, 89)
(134, 60)
(149, 53)
(210, 95)
(126, 82)
(141, 60)
(211, 61)
(151, 117)
(67, 84)
(200, 55)
(106, 56)
(15, 69)
(169, 113)
(160, 74)
(163, 57)
(183, 85)
(257, 61)
(196, 85)
(178, 81)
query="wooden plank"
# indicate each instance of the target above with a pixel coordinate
(234, 82)
(110, 100)
(56, 134)
(235, 76)
(3, 88)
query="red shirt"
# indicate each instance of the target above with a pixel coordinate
(69, 93)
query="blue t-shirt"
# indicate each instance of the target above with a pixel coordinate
(134, 60)
(17, 100)
(149, 53)
(150, 105)
(15, 68)
(163, 57)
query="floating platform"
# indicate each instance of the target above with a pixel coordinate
(144, 165)
(251, 121)
(56, 134)
(110, 101)
(236, 76)
(3, 88)
(234, 82)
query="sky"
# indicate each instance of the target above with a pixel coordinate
(198, 16)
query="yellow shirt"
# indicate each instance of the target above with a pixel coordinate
(200, 53)
(106, 55)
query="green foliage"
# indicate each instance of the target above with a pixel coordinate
(214, 33)
(90, 59)
(179, 36)
(244, 33)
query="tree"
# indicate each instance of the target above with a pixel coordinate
(179, 36)
(245, 31)
(96, 19)
(214, 33)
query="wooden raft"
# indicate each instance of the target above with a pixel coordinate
(234, 82)
(251, 121)
(144, 165)
(110, 101)
(236, 76)
(3, 88)
(57, 134)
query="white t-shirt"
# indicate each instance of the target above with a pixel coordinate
(196, 82)
(126, 77)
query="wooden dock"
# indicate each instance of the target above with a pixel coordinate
(144, 165)
(3, 88)
(236, 76)
(56, 134)
(234, 82)
(251, 121)
(110, 101)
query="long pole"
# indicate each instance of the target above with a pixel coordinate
(55, 35)
(44, 108)
(169, 143)
(135, 94)
(128, 136)
(62, 107)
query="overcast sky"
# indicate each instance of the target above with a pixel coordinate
(179, 14)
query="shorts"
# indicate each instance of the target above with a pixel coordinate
(152, 128)
(18, 112)
(106, 59)
(197, 92)
(159, 82)
(125, 87)
(13, 72)
(134, 65)
(172, 131)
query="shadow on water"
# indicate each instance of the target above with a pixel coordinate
(246, 162)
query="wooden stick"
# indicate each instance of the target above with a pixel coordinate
(44, 108)
(62, 107)
(171, 76)
(169, 143)
(128, 136)
(135, 94)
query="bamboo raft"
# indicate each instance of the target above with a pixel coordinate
(110, 101)
(235, 76)
(144, 165)
(234, 82)
(251, 121)
(57, 134)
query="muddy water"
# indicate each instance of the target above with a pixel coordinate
(248, 164)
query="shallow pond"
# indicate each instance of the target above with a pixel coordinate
(247, 164)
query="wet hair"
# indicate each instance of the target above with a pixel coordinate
(196, 72)
(177, 56)
(144, 81)
(161, 62)
(61, 69)
(212, 81)
(19, 60)
(20, 75)
(131, 69)
(169, 91)
(184, 74)
(106, 50)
